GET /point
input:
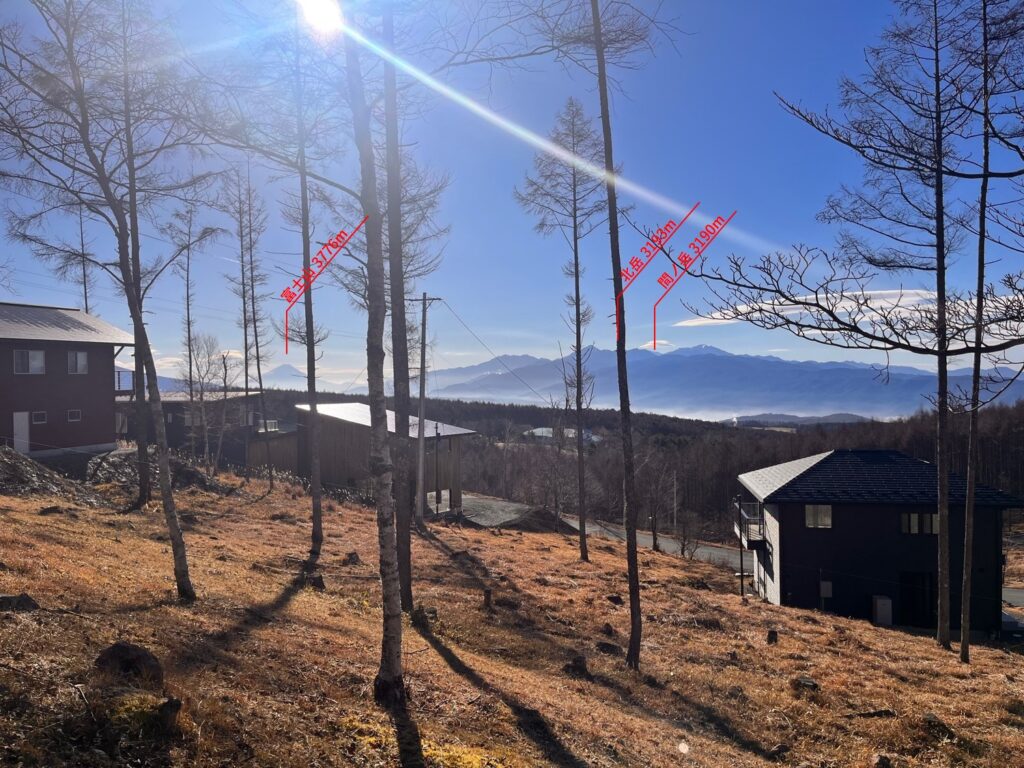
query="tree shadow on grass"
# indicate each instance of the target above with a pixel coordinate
(530, 722)
(410, 748)
(476, 571)
(214, 647)
(472, 567)
(143, 606)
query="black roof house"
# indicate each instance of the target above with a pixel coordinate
(863, 477)
(855, 532)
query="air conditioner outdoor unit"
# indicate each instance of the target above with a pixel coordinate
(881, 610)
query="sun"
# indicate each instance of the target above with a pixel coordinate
(323, 16)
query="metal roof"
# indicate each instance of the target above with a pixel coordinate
(764, 482)
(863, 477)
(34, 322)
(359, 413)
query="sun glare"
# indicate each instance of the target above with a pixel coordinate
(323, 16)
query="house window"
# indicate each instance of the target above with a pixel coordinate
(915, 522)
(29, 361)
(78, 362)
(38, 417)
(818, 515)
(74, 415)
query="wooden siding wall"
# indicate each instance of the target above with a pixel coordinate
(284, 454)
(345, 455)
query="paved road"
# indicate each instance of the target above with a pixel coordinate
(1013, 596)
(716, 553)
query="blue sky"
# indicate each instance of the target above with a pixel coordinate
(695, 123)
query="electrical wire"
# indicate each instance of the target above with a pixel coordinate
(491, 352)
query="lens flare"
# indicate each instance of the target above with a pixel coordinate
(524, 134)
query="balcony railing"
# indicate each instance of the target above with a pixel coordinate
(124, 381)
(749, 525)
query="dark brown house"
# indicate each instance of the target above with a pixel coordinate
(854, 532)
(57, 379)
(345, 448)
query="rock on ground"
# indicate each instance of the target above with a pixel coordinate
(132, 662)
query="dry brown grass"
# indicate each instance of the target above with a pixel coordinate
(275, 675)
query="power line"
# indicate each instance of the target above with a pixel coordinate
(491, 351)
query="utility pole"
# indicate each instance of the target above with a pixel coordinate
(421, 487)
(675, 528)
(437, 469)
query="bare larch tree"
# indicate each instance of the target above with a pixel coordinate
(569, 201)
(88, 121)
(388, 686)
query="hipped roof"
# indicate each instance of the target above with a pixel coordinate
(863, 477)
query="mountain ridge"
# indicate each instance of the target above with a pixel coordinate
(707, 382)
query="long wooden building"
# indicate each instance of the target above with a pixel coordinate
(345, 449)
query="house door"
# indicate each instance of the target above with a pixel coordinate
(917, 599)
(21, 441)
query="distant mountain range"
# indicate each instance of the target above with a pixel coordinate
(165, 383)
(710, 383)
(287, 376)
(702, 382)
(789, 420)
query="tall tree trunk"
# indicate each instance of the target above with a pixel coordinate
(206, 425)
(979, 315)
(181, 573)
(84, 262)
(581, 486)
(632, 566)
(141, 420)
(388, 686)
(256, 328)
(399, 331)
(223, 415)
(942, 399)
(145, 491)
(245, 324)
(313, 432)
(654, 523)
(189, 342)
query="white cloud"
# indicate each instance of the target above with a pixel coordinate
(163, 363)
(901, 300)
(662, 343)
(702, 321)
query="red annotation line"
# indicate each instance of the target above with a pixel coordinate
(650, 249)
(336, 244)
(699, 245)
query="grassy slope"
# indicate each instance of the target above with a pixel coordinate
(276, 675)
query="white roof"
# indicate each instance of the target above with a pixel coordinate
(359, 413)
(35, 322)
